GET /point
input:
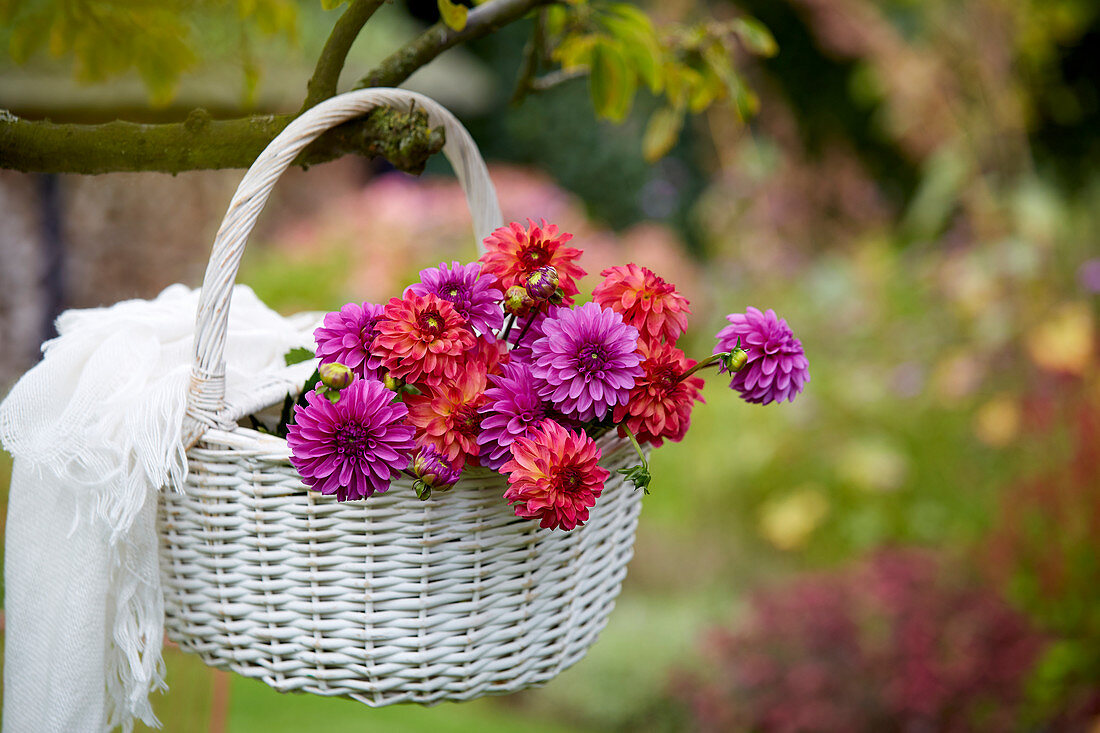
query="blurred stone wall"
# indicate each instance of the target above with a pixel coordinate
(125, 235)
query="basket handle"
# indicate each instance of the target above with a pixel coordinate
(206, 392)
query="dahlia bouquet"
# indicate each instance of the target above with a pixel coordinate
(490, 364)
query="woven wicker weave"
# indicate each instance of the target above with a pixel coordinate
(389, 599)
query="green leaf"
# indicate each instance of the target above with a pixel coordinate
(297, 355)
(756, 37)
(453, 15)
(575, 52)
(634, 31)
(662, 132)
(611, 83)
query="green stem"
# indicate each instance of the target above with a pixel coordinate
(637, 446)
(527, 326)
(709, 361)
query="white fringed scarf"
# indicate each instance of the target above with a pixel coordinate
(95, 431)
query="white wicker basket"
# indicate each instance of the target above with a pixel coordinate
(389, 599)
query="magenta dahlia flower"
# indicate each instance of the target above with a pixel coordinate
(776, 368)
(587, 361)
(352, 448)
(512, 407)
(473, 294)
(554, 476)
(346, 337)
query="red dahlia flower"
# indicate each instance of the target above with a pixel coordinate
(513, 253)
(645, 301)
(660, 403)
(446, 418)
(554, 476)
(422, 338)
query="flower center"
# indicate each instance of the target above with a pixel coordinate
(353, 439)
(534, 257)
(664, 378)
(591, 358)
(569, 479)
(453, 292)
(431, 323)
(467, 421)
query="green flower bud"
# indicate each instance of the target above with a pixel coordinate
(423, 490)
(391, 382)
(335, 375)
(518, 301)
(736, 360)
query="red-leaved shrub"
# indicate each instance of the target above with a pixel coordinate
(902, 642)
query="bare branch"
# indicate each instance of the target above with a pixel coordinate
(326, 75)
(554, 78)
(481, 21)
(532, 54)
(201, 143)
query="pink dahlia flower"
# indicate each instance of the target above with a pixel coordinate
(587, 361)
(353, 448)
(645, 301)
(446, 418)
(346, 338)
(472, 293)
(513, 253)
(776, 368)
(422, 338)
(660, 403)
(512, 407)
(554, 476)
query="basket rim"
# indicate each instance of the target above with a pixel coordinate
(268, 447)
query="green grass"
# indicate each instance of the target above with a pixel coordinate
(256, 708)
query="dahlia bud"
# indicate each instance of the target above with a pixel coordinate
(736, 359)
(432, 472)
(518, 301)
(335, 375)
(392, 383)
(542, 283)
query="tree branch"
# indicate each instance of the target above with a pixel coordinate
(201, 143)
(481, 21)
(326, 75)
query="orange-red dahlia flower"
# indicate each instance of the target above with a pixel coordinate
(660, 403)
(645, 300)
(513, 253)
(554, 476)
(422, 338)
(446, 417)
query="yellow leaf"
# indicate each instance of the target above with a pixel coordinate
(662, 132)
(453, 15)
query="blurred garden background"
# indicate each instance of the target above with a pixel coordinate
(914, 543)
